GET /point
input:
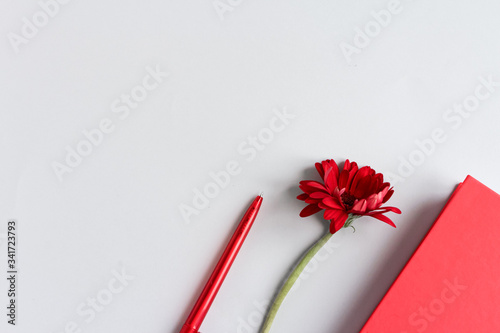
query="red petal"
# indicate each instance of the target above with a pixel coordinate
(359, 207)
(352, 172)
(312, 201)
(362, 187)
(310, 186)
(347, 174)
(360, 174)
(319, 168)
(331, 164)
(332, 203)
(338, 222)
(322, 205)
(330, 213)
(330, 179)
(375, 182)
(384, 218)
(309, 210)
(347, 165)
(388, 209)
(343, 178)
(319, 195)
(372, 202)
(303, 196)
(388, 195)
(333, 214)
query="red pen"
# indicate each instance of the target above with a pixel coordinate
(208, 294)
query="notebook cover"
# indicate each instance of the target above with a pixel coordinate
(452, 281)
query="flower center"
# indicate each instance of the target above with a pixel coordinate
(348, 199)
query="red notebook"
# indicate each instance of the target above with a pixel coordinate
(451, 284)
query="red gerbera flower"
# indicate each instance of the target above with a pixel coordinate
(346, 195)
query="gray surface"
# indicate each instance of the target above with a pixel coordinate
(119, 208)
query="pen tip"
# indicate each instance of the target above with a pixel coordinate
(261, 194)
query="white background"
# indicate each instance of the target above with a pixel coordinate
(228, 73)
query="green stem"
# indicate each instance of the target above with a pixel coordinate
(266, 327)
